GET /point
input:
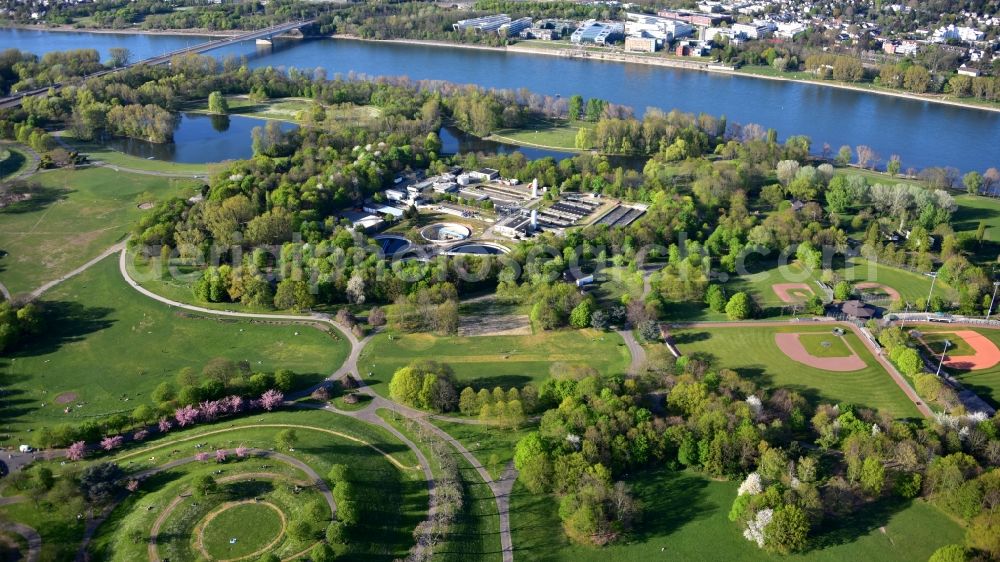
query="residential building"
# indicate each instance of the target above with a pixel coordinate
(640, 44)
(959, 33)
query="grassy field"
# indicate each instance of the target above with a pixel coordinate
(71, 217)
(476, 534)
(973, 210)
(685, 519)
(956, 345)
(547, 133)
(290, 109)
(825, 345)
(111, 346)
(911, 285)
(490, 361)
(984, 382)
(492, 446)
(395, 498)
(753, 353)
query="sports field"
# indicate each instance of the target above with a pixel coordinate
(71, 217)
(984, 382)
(111, 346)
(973, 210)
(825, 345)
(751, 350)
(490, 361)
(685, 518)
(910, 285)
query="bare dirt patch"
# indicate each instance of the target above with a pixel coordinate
(893, 294)
(495, 325)
(986, 355)
(792, 292)
(66, 398)
(147, 205)
(790, 345)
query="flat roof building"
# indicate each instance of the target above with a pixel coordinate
(515, 27)
(482, 25)
(599, 33)
(640, 44)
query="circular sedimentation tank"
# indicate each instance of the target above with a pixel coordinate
(444, 232)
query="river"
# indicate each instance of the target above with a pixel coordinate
(922, 133)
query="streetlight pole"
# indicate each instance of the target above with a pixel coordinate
(945, 350)
(931, 292)
(992, 300)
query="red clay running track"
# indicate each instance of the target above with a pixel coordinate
(790, 344)
(889, 368)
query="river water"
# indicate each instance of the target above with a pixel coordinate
(922, 133)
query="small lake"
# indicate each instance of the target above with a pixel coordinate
(200, 139)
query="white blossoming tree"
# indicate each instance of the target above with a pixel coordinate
(751, 486)
(756, 525)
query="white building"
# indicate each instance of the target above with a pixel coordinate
(952, 31)
(483, 24)
(790, 30)
(663, 29)
(514, 28)
(600, 33)
(382, 210)
(755, 30)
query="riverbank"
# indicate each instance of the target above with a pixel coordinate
(129, 31)
(698, 65)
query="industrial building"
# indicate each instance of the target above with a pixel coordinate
(517, 225)
(598, 33)
(664, 30)
(640, 44)
(515, 27)
(485, 24)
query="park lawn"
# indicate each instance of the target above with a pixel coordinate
(825, 345)
(98, 152)
(547, 133)
(395, 496)
(491, 361)
(290, 109)
(111, 346)
(252, 525)
(12, 161)
(494, 447)
(911, 285)
(956, 346)
(615, 282)
(984, 382)
(751, 351)
(973, 210)
(476, 533)
(72, 216)
(685, 518)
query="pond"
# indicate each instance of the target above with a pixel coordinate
(199, 139)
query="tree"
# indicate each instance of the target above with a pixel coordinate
(119, 56)
(217, 104)
(917, 79)
(893, 165)
(322, 552)
(973, 182)
(301, 530)
(286, 439)
(204, 486)
(284, 380)
(575, 107)
(739, 307)
(468, 404)
(580, 316)
(866, 156)
(844, 155)
(843, 291)
(872, 476)
(949, 553)
(715, 298)
(788, 530)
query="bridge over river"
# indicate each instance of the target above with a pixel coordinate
(15, 100)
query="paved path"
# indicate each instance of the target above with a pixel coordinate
(31, 535)
(896, 376)
(635, 350)
(31, 168)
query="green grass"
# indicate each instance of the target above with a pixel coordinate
(615, 282)
(753, 353)
(490, 361)
(984, 382)
(546, 133)
(476, 533)
(825, 345)
(290, 109)
(911, 285)
(12, 161)
(71, 217)
(973, 210)
(956, 346)
(106, 343)
(98, 152)
(493, 447)
(395, 498)
(685, 518)
(253, 526)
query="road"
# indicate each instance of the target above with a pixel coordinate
(30, 535)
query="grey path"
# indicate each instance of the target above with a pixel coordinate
(635, 350)
(39, 291)
(94, 524)
(32, 167)
(4, 292)
(31, 535)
